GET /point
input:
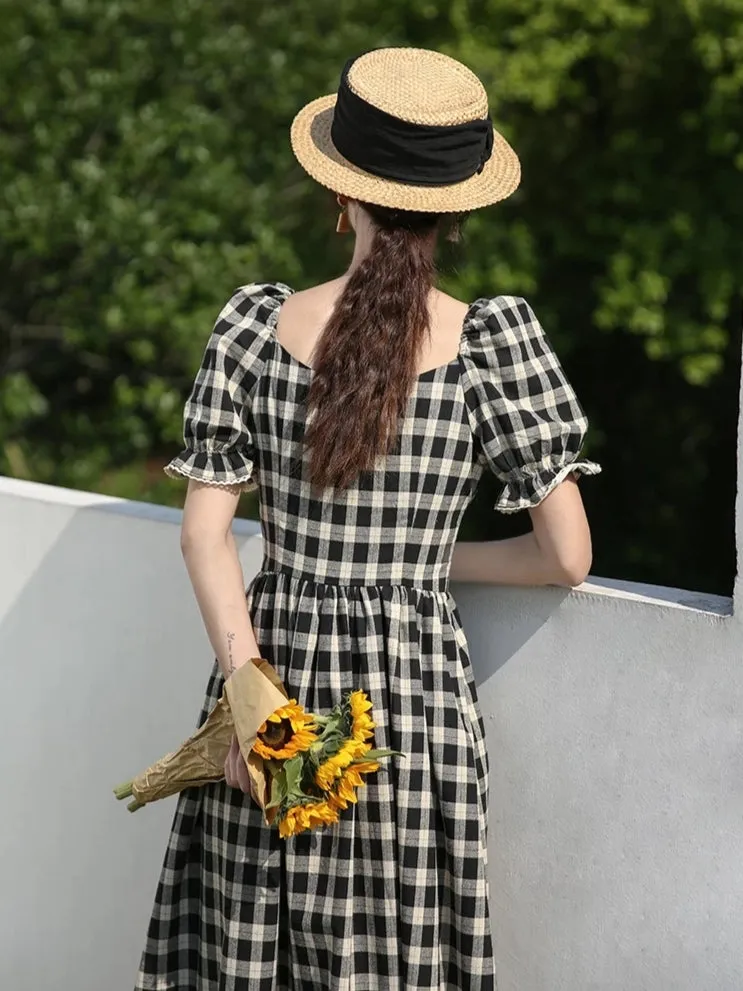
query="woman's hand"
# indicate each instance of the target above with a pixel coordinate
(235, 769)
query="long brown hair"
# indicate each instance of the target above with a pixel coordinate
(365, 363)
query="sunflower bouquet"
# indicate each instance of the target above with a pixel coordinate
(304, 768)
(314, 764)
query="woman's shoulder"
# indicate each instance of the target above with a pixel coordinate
(256, 299)
(495, 323)
(321, 297)
(242, 333)
(249, 313)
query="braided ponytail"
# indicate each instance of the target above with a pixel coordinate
(365, 363)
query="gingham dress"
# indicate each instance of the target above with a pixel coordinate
(353, 592)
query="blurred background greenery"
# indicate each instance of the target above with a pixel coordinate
(146, 172)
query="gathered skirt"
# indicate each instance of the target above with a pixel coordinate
(394, 896)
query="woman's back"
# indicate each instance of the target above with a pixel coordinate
(498, 399)
(305, 314)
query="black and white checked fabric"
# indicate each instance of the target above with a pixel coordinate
(353, 593)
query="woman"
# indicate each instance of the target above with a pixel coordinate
(366, 410)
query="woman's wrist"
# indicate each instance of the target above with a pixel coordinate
(237, 653)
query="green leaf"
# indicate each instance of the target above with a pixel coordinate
(278, 789)
(293, 772)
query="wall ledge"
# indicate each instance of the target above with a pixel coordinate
(658, 595)
(74, 499)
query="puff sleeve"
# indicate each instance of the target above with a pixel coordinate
(522, 409)
(219, 447)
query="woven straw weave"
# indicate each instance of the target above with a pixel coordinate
(418, 86)
(403, 81)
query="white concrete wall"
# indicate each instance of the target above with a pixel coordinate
(614, 726)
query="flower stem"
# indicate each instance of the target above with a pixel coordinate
(124, 791)
(377, 755)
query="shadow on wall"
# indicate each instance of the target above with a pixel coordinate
(516, 627)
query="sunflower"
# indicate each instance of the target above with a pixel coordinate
(301, 817)
(345, 789)
(292, 711)
(362, 727)
(362, 730)
(334, 766)
(344, 794)
(365, 766)
(292, 732)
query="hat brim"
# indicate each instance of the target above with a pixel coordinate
(316, 153)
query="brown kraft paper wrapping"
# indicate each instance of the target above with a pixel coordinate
(250, 695)
(252, 700)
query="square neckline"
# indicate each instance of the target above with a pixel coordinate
(272, 324)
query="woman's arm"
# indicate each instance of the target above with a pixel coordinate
(556, 552)
(213, 565)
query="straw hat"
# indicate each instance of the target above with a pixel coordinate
(409, 129)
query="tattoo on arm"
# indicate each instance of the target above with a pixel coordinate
(230, 641)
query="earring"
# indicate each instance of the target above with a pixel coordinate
(343, 226)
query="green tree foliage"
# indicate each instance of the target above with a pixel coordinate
(146, 172)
